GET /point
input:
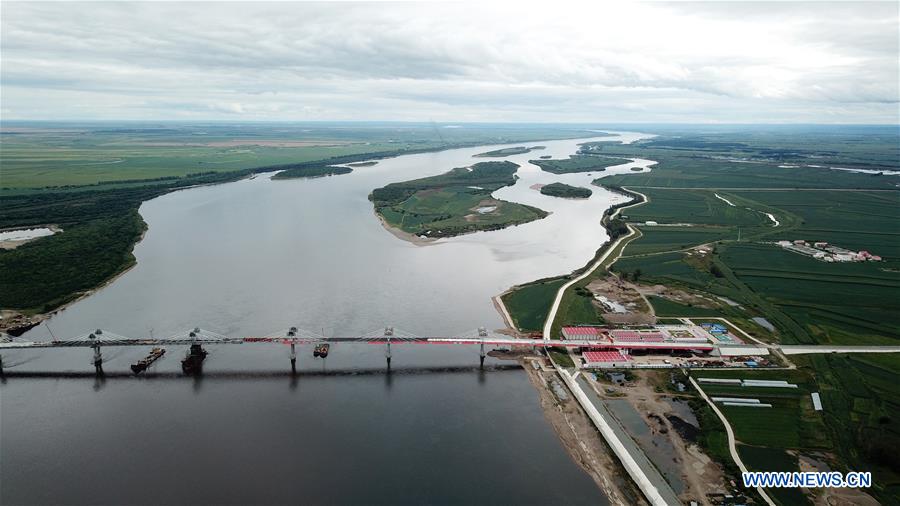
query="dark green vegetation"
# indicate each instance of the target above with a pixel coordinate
(576, 306)
(90, 178)
(315, 171)
(859, 394)
(661, 239)
(529, 304)
(697, 208)
(101, 226)
(565, 191)
(765, 434)
(807, 300)
(518, 150)
(578, 163)
(561, 357)
(453, 203)
(41, 154)
(362, 164)
(33, 277)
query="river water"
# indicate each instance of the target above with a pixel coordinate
(251, 257)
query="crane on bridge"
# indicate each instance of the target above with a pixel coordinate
(197, 337)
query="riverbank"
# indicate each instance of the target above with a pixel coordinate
(93, 212)
(580, 438)
(16, 323)
(405, 236)
(454, 203)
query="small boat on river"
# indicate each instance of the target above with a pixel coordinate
(321, 350)
(144, 363)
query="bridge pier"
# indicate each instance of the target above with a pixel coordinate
(1, 365)
(387, 355)
(98, 357)
(98, 360)
(291, 334)
(293, 358)
(482, 333)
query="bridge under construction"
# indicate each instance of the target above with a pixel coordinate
(197, 337)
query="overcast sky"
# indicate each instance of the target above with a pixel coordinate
(681, 62)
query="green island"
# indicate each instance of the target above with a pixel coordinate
(716, 205)
(578, 163)
(89, 179)
(453, 203)
(565, 191)
(362, 164)
(315, 171)
(518, 150)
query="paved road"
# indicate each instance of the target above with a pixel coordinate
(655, 489)
(732, 446)
(551, 316)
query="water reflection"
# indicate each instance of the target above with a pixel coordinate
(265, 255)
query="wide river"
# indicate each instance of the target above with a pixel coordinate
(251, 257)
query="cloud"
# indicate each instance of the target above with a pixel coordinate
(733, 62)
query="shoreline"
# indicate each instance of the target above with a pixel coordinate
(38, 318)
(504, 313)
(238, 175)
(405, 236)
(596, 460)
(581, 440)
(427, 241)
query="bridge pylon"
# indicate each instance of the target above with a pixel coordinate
(482, 333)
(98, 356)
(388, 334)
(291, 334)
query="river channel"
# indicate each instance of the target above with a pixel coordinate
(251, 257)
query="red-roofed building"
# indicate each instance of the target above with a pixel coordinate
(609, 358)
(582, 333)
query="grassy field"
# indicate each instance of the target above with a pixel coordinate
(499, 153)
(854, 220)
(454, 203)
(696, 207)
(760, 458)
(529, 304)
(41, 154)
(578, 163)
(807, 300)
(90, 179)
(860, 300)
(859, 393)
(665, 239)
(684, 169)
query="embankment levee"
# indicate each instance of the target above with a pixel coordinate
(617, 232)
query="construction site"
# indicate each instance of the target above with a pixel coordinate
(689, 344)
